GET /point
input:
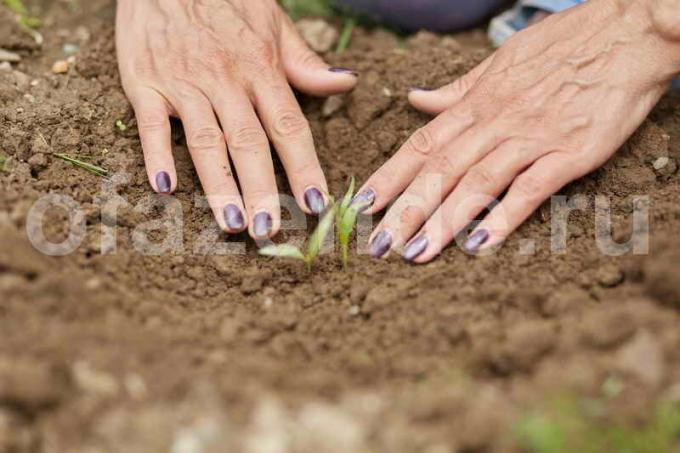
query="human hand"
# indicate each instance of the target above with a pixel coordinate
(224, 67)
(551, 105)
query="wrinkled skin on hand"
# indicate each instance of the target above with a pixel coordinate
(225, 68)
(551, 105)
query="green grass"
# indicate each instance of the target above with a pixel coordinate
(346, 35)
(300, 8)
(94, 169)
(569, 424)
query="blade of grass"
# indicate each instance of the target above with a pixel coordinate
(17, 7)
(94, 169)
(346, 35)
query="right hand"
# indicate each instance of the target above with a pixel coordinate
(224, 67)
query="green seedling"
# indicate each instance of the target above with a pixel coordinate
(314, 243)
(28, 22)
(94, 169)
(346, 220)
(121, 125)
(3, 162)
(346, 35)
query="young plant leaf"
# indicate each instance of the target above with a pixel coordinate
(345, 227)
(94, 169)
(319, 235)
(3, 162)
(347, 199)
(121, 125)
(282, 251)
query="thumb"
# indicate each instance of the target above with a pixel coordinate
(307, 71)
(436, 101)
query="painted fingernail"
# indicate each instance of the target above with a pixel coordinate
(233, 217)
(163, 183)
(365, 199)
(476, 240)
(314, 200)
(262, 224)
(415, 248)
(381, 244)
(343, 71)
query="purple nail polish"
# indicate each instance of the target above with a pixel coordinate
(314, 200)
(233, 217)
(381, 244)
(163, 183)
(343, 71)
(365, 199)
(476, 240)
(262, 224)
(415, 248)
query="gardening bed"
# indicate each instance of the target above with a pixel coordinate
(117, 350)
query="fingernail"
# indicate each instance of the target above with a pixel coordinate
(343, 71)
(476, 240)
(233, 217)
(163, 182)
(381, 244)
(365, 198)
(415, 248)
(262, 224)
(314, 200)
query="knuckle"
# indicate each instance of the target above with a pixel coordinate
(480, 177)
(421, 142)
(205, 138)
(152, 122)
(530, 187)
(412, 215)
(247, 138)
(289, 123)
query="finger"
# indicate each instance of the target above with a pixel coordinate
(307, 71)
(436, 101)
(458, 178)
(482, 183)
(526, 194)
(249, 150)
(397, 173)
(289, 131)
(209, 153)
(153, 123)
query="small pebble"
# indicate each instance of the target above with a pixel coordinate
(318, 34)
(10, 57)
(332, 105)
(354, 310)
(71, 49)
(60, 67)
(661, 162)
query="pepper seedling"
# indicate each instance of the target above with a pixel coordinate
(346, 220)
(314, 243)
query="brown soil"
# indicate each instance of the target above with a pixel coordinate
(134, 353)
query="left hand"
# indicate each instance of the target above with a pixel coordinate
(551, 105)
